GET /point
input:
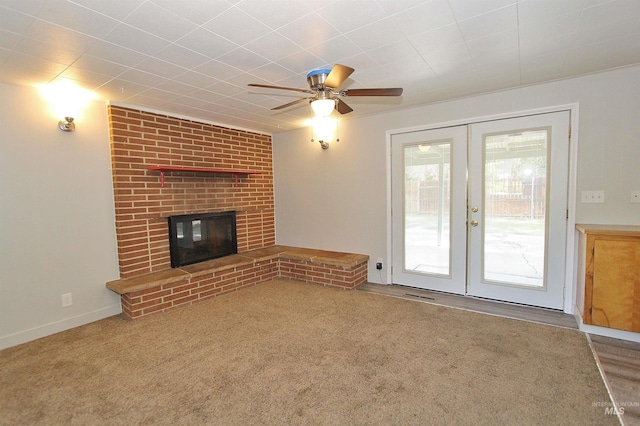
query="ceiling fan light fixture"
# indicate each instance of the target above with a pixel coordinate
(323, 107)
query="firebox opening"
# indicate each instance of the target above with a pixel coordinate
(195, 238)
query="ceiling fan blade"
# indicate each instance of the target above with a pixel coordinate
(372, 92)
(342, 107)
(339, 73)
(266, 86)
(297, 101)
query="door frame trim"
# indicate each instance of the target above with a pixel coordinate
(570, 280)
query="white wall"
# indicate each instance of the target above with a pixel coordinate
(336, 199)
(56, 219)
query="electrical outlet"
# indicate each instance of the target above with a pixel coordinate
(379, 263)
(635, 197)
(67, 300)
(592, 197)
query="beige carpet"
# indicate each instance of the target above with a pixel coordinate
(292, 353)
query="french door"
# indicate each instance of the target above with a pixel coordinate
(480, 209)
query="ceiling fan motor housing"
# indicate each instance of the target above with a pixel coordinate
(316, 78)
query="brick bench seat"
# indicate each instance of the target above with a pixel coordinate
(167, 289)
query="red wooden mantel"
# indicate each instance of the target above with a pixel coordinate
(234, 172)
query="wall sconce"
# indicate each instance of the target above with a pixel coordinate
(324, 130)
(67, 125)
(66, 99)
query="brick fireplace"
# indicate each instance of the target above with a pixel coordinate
(140, 140)
(149, 155)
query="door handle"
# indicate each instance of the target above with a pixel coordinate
(474, 223)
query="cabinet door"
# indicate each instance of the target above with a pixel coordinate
(616, 284)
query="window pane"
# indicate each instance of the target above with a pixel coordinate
(515, 179)
(427, 207)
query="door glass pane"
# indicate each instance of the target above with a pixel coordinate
(427, 196)
(515, 188)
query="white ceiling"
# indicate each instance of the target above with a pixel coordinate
(196, 57)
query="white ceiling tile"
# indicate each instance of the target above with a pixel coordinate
(360, 61)
(55, 53)
(141, 77)
(548, 28)
(176, 87)
(348, 15)
(553, 61)
(190, 102)
(493, 44)
(132, 38)
(269, 73)
(85, 78)
(159, 22)
(161, 94)
(490, 23)
(392, 7)
(538, 11)
(610, 12)
(206, 96)
(31, 7)
(119, 90)
(272, 46)
(13, 21)
(116, 9)
(8, 40)
(301, 62)
(437, 39)
(195, 79)
(57, 35)
(99, 65)
(242, 58)
(275, 14)
(14, 73)
(187, 58)
(397, 52)
(299, 31)
(37, 66)
(530, 46)
(425, 17)
(383, 32)
(445, 60)
(217, 69)
(206, 43)
(465, 9)
(237, 26)
(242, 80)
(224, 88)
(588, 34)
(159, 67)
(335, 49)
(197, 11)
(77, 18)
(4, 54)
(113, 53)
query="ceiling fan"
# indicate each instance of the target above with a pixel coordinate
(323, 87)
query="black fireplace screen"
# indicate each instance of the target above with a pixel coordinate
(198, 237)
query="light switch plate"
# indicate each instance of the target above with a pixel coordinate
(592, 197)
(635, 197)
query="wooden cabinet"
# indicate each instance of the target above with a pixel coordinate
(609, 267)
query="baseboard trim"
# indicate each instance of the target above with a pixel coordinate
(25, 336)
